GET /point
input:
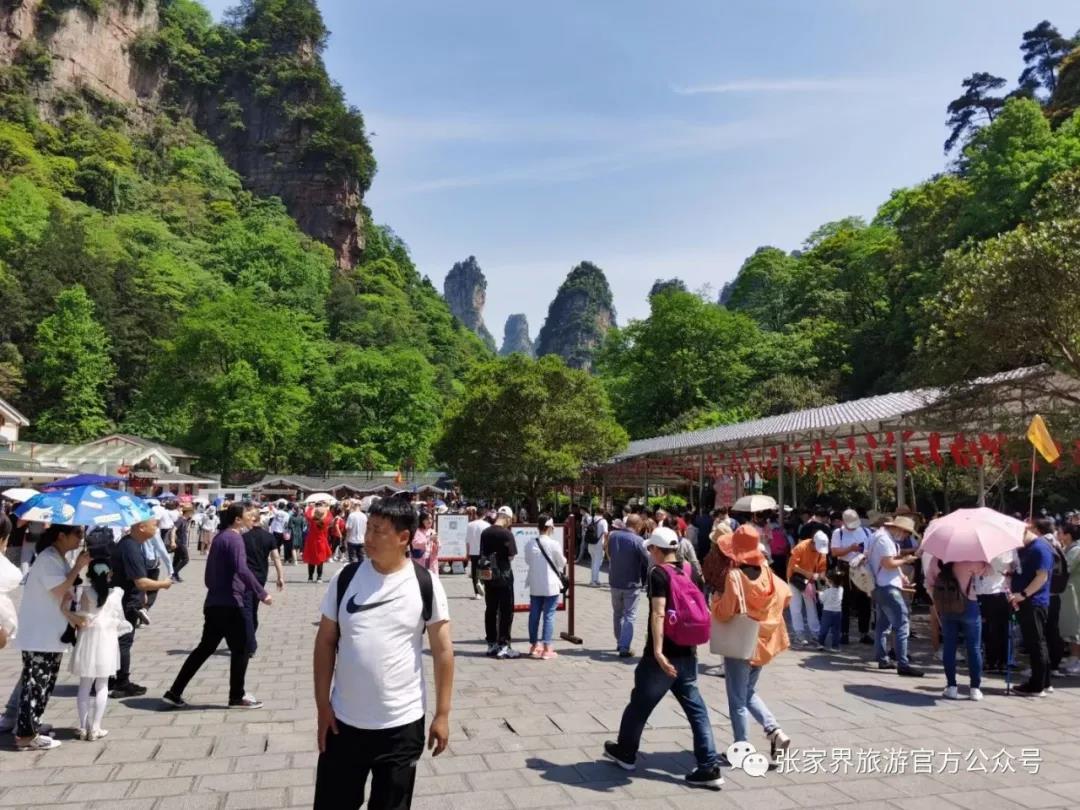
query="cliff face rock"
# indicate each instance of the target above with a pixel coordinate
(1066, 98)
(516, 338)
(252, 120)
(578, 318)
(465, 291)
(88, 49)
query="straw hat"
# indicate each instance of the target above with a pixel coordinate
(743, 547)
(904, 523)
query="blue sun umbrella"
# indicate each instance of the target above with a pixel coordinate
(86, 506)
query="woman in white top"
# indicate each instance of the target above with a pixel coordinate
(97, 649)
(545, 585)
(41, 624)
(992, 591)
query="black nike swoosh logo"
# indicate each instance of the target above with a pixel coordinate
(352, 607)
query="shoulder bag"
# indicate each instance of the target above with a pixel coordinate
(736, 637)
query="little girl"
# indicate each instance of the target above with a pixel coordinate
(97, 648)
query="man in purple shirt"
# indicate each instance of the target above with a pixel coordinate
(228, 580)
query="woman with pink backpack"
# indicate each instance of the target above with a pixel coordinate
(752, 594)
(678, 623)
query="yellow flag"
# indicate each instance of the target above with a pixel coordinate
(1039, 436)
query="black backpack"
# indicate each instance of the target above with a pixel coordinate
(1059, 574)
(423, 577)
(590, 532)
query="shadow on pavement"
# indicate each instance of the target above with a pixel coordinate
(887, 694)
(601, 776)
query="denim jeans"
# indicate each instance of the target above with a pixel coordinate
(831, 622)
(624, 602)
(650, 686)
(892, 611)
(971, 623)
(740, 679)
(542, 607)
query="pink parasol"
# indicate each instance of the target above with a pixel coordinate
(972, 535)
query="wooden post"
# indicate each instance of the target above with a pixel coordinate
(900, 493)
(570, 537)
(780, 482)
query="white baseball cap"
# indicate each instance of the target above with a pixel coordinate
(663, 538)
(505, 511)
(852, 521)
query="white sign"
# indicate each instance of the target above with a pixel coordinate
(451, 529)
(520, 566)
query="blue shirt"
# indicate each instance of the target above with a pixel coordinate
(1034, 557)
(629, 560)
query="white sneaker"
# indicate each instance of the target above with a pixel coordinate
(951, 693)
(975, 694)
(478, 596)
(96, 734)
(507, 653)
(39, 743)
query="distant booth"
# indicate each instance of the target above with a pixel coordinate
(976, 425)
(425, 485)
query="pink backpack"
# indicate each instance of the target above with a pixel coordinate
(688, 623)
(778, 546)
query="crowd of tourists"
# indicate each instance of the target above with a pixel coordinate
(749, 586)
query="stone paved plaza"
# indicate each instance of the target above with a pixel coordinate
(528, 733)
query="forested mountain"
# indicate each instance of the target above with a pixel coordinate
(975, 270)
(152, 276)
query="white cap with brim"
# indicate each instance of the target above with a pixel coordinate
(663, 538)
(505, 511)
(852, 521)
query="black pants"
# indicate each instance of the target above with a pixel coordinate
(995, 611)
(180, 558)
(855, 601)
(1055, 647)
(37, 684)
(355, 552)
(251, 620)
(1033, 629)
(473, 560)
(779, 565)
(312, 571)
(151, 596)
(389, 755)
(290, 554)
(499, 614)
(123, 675)
(219, 623)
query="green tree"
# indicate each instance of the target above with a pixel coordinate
(763, 288)
(71, 371)
(974, 107)
(523, 425)
(1043, 48)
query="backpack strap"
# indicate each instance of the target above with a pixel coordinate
(344, 579)
(427, 590)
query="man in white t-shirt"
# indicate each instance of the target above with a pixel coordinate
(473, 530)
(847, 543)
(369, 647)
(355, 529)
(884, 560)
(156, 550)
(596, 549)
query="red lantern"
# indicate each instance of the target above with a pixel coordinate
(920, 459)
(935, 449)
(890, 438)
(871, 441)
(833, 445)
(817, 447)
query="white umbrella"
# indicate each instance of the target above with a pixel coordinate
(366, 502)
(19, 494)
(319, 497)
(754, 503)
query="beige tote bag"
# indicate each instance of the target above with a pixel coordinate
(738, 636)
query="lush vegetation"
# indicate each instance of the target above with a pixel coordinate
(523, 425)
(146, 290)
(971, 272)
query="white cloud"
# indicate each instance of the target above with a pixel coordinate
(788, 85)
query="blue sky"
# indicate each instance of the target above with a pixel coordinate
(654, 139)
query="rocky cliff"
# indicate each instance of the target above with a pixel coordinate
(578, 318)
(1066, 98)
(257, 87)
(465, 291)
(516, 338)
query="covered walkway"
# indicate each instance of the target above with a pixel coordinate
(976, 425)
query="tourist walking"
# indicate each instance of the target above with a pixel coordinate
(883, 558)
(497, 549)
(752, 587)
(547, 564)
(355, 529)
(805, 566)
(317, 542)
(42, 622)
(425, 544)
(96, 656)
(628, 565)
(260, 550)
(369, 672)
(207, 527)
(130, 573)
(473, 531)
(1030, 599)
(180, 542)
(279, 524)
(10, 580)
(845, 545)
(228, 580)
(666, 666)
(596, 539)
(158, 551)
(297, 530)
(952, 591)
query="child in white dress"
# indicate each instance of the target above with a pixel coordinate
(97, 647)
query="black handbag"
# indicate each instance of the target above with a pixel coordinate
(564, 580)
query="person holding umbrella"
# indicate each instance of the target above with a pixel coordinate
(959, 550)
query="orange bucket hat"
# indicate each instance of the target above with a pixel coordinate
(743, 547)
